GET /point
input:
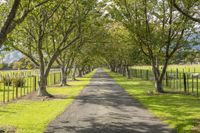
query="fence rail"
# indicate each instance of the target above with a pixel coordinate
(16, 85)
(182, 82)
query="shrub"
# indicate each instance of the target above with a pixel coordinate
(6, 80)
(18, 81)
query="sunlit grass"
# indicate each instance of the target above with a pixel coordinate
(180, 111)
(29, 116)
(181, 68)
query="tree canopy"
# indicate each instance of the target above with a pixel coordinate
(83, 34)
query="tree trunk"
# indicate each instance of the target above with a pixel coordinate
(112, 67)
(91, 69)
(158, 82)
(128, 74)
(159, 77)
(121, 69)
(124, 71)
(42, 91)
(63, 76)
(74, 74)
(83, 72)
(80, 74)
(159, 86)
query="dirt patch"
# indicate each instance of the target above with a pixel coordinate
(33, 96)
(7, 129)
(59, 86)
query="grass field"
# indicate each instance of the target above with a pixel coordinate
(180, 111)
(29, 116)
(173, 68)
(174, 79)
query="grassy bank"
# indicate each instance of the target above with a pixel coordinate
(179, 111)
(32, 116)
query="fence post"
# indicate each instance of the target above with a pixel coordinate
(171, 79)
(8, 93)
(197, 85)
(147, 74)
(192, 84)
(30, 85)
(24, 90)
(188, 84)
(177, 77)
(35, 81)
(54, 78)
(184, 81)
(180, 80)
(166, 78)
(4, 93)
(27, 85)
(16, 92)
(136, 73)
(174, 80)
(61, 76)
(13, 89)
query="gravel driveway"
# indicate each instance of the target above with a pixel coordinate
(104, 107)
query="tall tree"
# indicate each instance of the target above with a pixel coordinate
(158, 29)
(68, 58)
(15, 15)
(49, 31)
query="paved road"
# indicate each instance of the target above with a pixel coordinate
(104, 107)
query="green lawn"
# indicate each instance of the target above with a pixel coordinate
(173, 68)
(180, 111)
(33, 116)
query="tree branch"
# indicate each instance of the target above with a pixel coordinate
(184, 13)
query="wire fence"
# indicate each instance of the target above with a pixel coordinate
(16, 85)
(176, 81)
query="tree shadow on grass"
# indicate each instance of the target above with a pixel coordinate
(178, 109)
(124, 114)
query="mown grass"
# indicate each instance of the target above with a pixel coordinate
(179, 111)
(173, 68)
(29, 116)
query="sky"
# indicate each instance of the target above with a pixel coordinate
(1, 1)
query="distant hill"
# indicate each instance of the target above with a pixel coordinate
(197, 47)
(12, 56)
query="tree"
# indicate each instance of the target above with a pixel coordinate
(121, 52)
(67, 59)
(157, 28)
(47, 32)
(9, 21)
(193, 5)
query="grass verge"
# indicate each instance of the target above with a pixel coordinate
(28, 116)
(177, 110)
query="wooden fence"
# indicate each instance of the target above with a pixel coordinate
(182, 82)
(16, 85)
